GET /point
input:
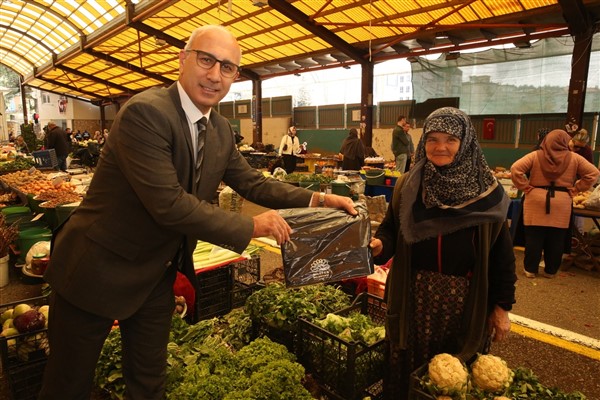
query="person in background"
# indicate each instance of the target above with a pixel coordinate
(352, 152)
(21, 145)
(149, 202)
(579, 143)
(56, 139)
(549, 179)
(452, 279)
(411, 147)
(400, 144)
(541, 134)
(288, 148)
(86, 135)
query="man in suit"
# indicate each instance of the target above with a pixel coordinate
(117, 256)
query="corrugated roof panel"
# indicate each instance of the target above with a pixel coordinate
(504, 7)
(14, 61)
(481, 10)
(468, 14)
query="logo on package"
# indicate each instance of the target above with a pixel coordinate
(320, 270)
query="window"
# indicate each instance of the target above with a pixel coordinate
(45, 98)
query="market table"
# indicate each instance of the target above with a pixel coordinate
(586, 242)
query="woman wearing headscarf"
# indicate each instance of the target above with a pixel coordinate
(580, 145)
(352, 151)
(549, 178)
(288, 148)
(451, 283)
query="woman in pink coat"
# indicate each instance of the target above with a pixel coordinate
(549, 178)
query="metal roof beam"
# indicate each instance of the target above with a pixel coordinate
(576, 15)
(129, 66)
(94, 79)
(68, 87)
(28, 36)
(180, 44)
(305, 21)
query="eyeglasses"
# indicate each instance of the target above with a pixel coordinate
(207, 61)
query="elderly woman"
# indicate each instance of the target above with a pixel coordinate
(451, 284)
(549, 178)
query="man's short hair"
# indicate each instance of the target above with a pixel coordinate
(401, 117)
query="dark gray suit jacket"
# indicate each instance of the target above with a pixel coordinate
(142, 204)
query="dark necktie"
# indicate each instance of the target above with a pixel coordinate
(201, 125)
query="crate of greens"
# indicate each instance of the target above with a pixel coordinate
(345, 351)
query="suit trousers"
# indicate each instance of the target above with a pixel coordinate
(76, 338)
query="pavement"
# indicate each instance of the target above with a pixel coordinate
(555, 329)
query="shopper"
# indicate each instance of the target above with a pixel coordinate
(549, 178)
(352, 151)
(580, 145)
(411, 147)
(288, 148)
(451, 283)
(21, 145)
(56, 139)
(400, 144)
(149, 202)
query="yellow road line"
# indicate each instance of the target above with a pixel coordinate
(555, 341)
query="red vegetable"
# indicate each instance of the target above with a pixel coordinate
(30, 321)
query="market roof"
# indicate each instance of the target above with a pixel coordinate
(107, 50)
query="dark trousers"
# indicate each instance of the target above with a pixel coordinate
(76, 338)
(289, 162)
(549, 240)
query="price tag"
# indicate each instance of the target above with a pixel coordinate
(57, 181)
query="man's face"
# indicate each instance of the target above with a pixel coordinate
(206, 87)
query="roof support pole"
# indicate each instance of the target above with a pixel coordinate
(366, 103)
(23, 99)
(256, 110)
(579, 74)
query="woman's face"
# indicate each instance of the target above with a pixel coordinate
(441, 148)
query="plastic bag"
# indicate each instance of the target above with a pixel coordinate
(326, 245)
(593, 201)
(230, 200)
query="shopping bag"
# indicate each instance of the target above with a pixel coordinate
(326, 245)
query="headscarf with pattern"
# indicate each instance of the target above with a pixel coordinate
(467, 176)
(455, 196)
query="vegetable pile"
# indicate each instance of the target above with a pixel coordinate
(213, 359)
(355, 328)
(490, 378)
(280, 307)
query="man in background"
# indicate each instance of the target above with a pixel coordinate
(56, 138)
(400, 144)
(411, 146)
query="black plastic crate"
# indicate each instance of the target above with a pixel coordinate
(416, 391)
(24, 356)
(246, 278)
(213, 295)
(344, 370)
(45, 158)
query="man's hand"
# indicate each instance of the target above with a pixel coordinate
(270, 223)
(335, 201)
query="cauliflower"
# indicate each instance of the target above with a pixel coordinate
(490, 373)
(448, 374)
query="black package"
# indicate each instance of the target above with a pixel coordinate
(326, 245)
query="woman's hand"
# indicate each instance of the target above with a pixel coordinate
(499, 323)
(376, 246)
